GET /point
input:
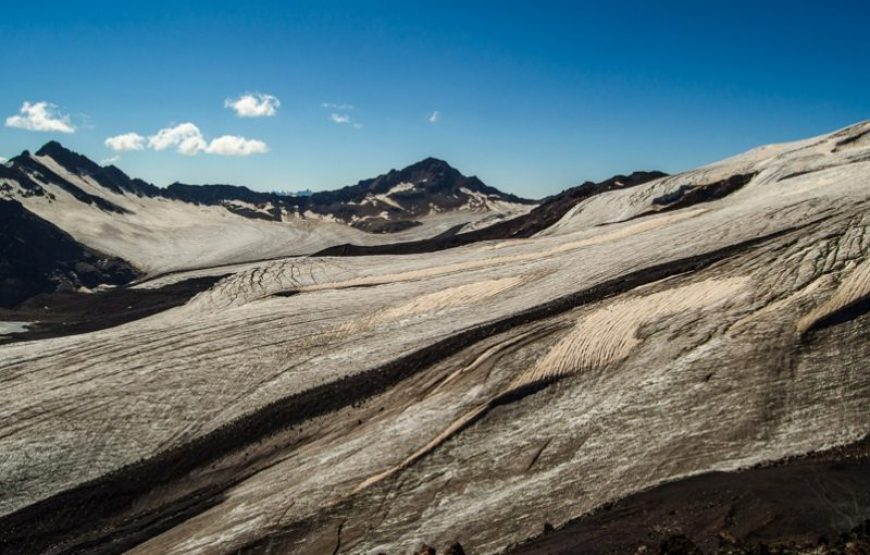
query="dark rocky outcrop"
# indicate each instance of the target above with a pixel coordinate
(688, 195)
(29, 188)
(383, 225)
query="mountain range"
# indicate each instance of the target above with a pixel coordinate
(113, 219)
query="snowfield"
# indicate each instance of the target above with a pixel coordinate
(367, 404)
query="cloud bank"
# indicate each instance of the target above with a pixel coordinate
(186, 138)
(41, 116)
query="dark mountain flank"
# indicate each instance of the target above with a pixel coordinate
(38, 257)
(109, 177)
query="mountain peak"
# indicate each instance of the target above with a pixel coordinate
(431, 161)
(430, 165)
(110, 177)
(53, 147)
(70, 160)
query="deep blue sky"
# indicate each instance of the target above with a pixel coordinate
(533, 96)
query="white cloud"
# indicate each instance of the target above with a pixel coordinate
(344, 119)
(334, 106)
(188, 139)
(231, 145)
(337, 116)
(254, 105)
(127, 141)
(109, 161)
(185, 137)
(40, 116)
(434, 117)
(3, 160)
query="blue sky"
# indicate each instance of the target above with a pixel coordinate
(532, 97)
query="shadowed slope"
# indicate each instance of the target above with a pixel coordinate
(37, 257)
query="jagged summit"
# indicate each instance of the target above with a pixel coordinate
(57, 151)
(436, 175)
(428, 186)
(68, 159)
(430, 164)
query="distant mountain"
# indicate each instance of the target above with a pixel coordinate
(431, 185)
(387, 203)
